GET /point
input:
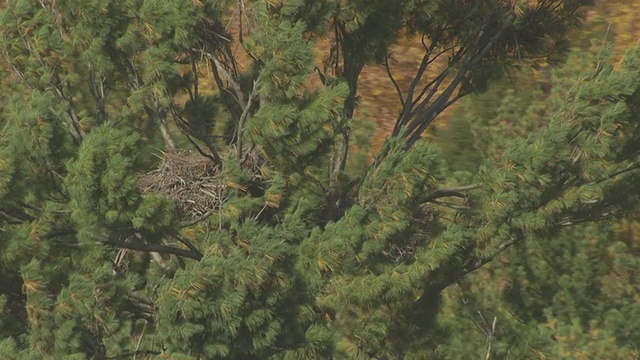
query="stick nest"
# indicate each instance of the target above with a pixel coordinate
(192, 181)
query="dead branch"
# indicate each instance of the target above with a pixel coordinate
(457, 191)
(161, 249)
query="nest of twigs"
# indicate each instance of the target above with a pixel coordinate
(192, 181)
(406, 249)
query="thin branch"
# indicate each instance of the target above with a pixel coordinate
(162, 249)
(409, 111)
(219, 69)
(18, 214)
(434, 85)
(77, 132)
(480, 262)
(452, 61)
(244, 116)
(404, 114)
(134, 353)
(188, 244)
(393, 80)
(192, 253)
(490, 338)
(139, 341)
(195, 221)
(194, 70)
(571, 221)
(418, 126)
(620, 172)
(97, 90)
(188, 131)
(449, 205)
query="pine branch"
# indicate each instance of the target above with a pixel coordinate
(17, 214)
(457, 191)
(133, 354)
(188, 244)
(192, 253)
(189, 131)
(393, 80)
(245, 114)
(161, 249)
(480, 262)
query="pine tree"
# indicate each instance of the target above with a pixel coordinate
(553, 295)
(109, 252)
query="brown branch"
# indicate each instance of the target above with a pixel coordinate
(418, 126)
(194, 70)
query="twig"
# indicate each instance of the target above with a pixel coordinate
(490, 337)
(196, 220)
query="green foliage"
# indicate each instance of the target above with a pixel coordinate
(551, 289)
(299, 257)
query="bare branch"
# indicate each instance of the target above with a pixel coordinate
(490, 333)
(449, 205)
(393, 80)
(235, 85)
(244, 116)
(189, 131)
(99, 93)
(162, 249)
(196, 221)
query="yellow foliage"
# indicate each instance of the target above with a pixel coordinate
(30, 287)
(198, 286)
(35, 232)
(32, 314)
(324, 266)
(236, 186)
(273, 200)
(63, 308)
(244, 244)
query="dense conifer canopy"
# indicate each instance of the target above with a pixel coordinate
(186, 179)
